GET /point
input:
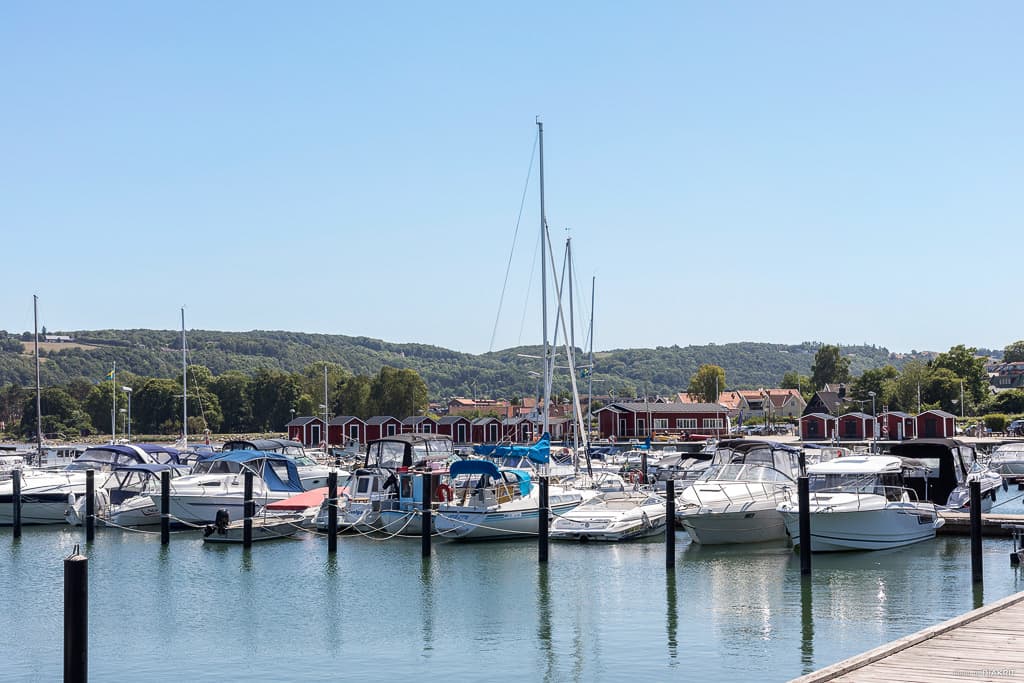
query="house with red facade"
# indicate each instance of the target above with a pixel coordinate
(817, 427)
(894, 425)
(379, 426)
(344, 429)
(458, 427)
(632, 420)
(935, 424)
(859, 426)
(517, 429)
(309, 431)
(419, 424)
(485, 430)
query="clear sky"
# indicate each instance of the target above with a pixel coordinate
(728, 171)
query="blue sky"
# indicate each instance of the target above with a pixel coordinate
(728, 171)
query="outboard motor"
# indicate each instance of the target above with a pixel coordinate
(220, 524)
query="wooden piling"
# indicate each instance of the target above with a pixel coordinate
(165, 507)
(90, 505)
(76, 618)
(249, 510)
(804, 512)
(543, 519)
(426, 521)
(643, 468)
(670, 523)
(332, 512)
(16, 502)
(976, 565)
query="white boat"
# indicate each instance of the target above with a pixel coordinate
(941, 470)
(312, 474)
(128, 500)
(489, 502)
(735, 500)
(386, 493)
(267, 526)
(612, 516)
(1008, 460)
(45, 493)
(218, 483)
(861, 503)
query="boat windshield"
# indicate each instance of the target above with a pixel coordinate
(745, 472)
(216, 467)
(889, 484)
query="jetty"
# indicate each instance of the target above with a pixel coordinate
(982, 645)
(992, 524)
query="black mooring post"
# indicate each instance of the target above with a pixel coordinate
(643, 468)
(426, 521)
(16, 502)
(543, 519)
(803, 489)
(249, 510)
(332, 511)
(670, 523)
(76, 618)
(976, 573)
(165, 507)
(90, 505)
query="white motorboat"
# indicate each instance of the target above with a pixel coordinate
(128, 500)
(266, 526)
(312, 474)
(1008, 460)
(612, 516)
(386, 493)
(941, 470)
(489, 502)
(218, 482)
(45, 493)
(861, 503)
(735, 500)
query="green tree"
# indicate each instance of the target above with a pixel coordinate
(353, 398)
(399, 393)
(707, 383)
(62, 415)
(876, 381)
(232, 390)
(274, 394)
(905, 392)
(99, 406)
(156, 407)
(829, 367)
(1009, 401)
(1014, 353)
(967, 366)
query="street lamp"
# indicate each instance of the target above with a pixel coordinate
(128, 390)
(323, 437)
(123, 412)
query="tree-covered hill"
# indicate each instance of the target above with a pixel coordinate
(507, 373)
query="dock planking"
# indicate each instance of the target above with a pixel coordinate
(981, 645)
(959, 523)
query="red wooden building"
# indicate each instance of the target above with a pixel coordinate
(419, 424)
(485, 430)
(935, 424)
(639, 420)
(817, 427)
(856, 426)
(517, 429)
(346, 428)
(379, 426)
(309, 431)
(894, 425)
(456, 426)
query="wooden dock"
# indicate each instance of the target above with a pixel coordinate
(959, 523)
(986, 644)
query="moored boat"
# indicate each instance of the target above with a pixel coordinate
(612, 516)
(266, 526)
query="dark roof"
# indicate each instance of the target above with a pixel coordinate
(417, 419)
(381, 419)
(829, 400)
(485, 420)
(859, 416)
(450, 419)
(300, 421)
(940, 413)
(342, 419)
(662, 408)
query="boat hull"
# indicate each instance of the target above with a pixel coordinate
(263, 529)
(758, 523)
(892, 527)
(466, 524)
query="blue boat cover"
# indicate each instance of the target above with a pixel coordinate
(167, 454)
(259, 461)
(537, 452)
(474, 467)
(524, 481)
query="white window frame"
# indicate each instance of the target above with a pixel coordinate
(713, 423)
(686, 423)
(660, 422)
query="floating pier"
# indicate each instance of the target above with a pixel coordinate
(982, 645)
(959, 523)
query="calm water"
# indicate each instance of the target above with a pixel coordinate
(284, 611)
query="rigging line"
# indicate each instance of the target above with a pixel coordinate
(515, 235)
(529, 286)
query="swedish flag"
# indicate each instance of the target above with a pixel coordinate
(110, 375)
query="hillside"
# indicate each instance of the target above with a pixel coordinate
(157, 353)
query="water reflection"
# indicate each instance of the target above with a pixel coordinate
(544, 622)
(427, 595)
(978, 593)
(672, 615)
(806, 624)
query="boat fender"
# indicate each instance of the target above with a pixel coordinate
(634, 477)
(443, 493)
(222, 521)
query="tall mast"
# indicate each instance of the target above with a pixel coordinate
(326, 430)
(572, 333)
(39, 386)
(113, 409)
(590, 387)
(544, 277)
(184, 385)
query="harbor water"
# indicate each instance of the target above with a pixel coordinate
(284, 610)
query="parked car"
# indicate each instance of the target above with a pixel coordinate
(1015, 428)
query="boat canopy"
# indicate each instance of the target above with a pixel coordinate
(110, 456)
(268, 466)
(474, 467)
(161, 453)
(152, 468)
(539, 452)
(408, 450)
(285, 446)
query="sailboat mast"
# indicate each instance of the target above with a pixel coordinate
(326, 430)
(572, 333)
(544, 278)
(113, 410)
(39, 386)
(184, 384)
(590, 383)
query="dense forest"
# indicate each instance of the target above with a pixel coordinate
(506, 373)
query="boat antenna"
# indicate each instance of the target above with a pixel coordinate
(39, 390)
